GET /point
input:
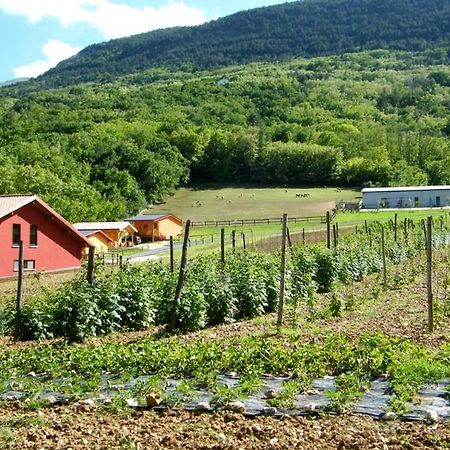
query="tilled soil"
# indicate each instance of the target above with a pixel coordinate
(401, 312)
(79, 427)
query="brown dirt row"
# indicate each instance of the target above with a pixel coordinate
(74, 427)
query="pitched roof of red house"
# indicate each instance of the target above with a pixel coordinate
(9, 204)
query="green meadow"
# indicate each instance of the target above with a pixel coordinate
(205, 203)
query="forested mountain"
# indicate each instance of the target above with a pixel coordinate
(275, 33)
(103, 150)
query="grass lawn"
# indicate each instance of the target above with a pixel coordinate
(355, 218)
(230, 203)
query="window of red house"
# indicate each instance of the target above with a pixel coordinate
(16, 234)
(28, 264)
(33, 236)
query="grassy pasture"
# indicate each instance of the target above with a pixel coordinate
(205, 203)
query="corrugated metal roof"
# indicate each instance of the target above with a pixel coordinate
(94, 226)
(406, 189)
(11, 203)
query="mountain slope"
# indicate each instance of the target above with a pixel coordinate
(306, 28)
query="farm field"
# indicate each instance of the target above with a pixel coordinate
(372, 314)
(355, 329)
(204, 203)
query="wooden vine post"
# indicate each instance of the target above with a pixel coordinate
(429, 247)
(222, 246)
(328, 230)
(383, 254)
(282, 271)
(91, 265)
(233, 239)
(172, 260)
(181, 276)
(289, 240)
(395, 226)
(405, 229)
(18, 318)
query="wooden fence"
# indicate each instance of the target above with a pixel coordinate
(268, 221)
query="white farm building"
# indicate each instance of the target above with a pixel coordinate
(406, 197)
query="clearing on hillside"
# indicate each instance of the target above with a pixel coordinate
(225, 203)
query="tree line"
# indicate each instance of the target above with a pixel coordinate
(102, 151)
(304, 28)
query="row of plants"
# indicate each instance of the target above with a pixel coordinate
(79, 370)
(136, 297)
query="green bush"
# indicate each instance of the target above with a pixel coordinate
(326, 272)
(137, 296)
(248, 284)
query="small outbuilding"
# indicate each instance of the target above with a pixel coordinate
(406, 197)
(157, 227)
(101, 241)
(50, 242)
(120, 233)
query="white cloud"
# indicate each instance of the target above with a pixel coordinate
(54, 51)
(109, 18)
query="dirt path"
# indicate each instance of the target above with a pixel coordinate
(75, 428)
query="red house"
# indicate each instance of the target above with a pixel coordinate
(50, 242)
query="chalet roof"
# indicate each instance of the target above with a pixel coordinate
(89, 233)
(95, 226)
(9, 204)
(406, 189)
(150, 217)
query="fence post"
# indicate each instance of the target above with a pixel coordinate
(429, 247)
(303, 236)
(334, 236)
(91, 266)
(172, 261)
(233, 239)
(181, 276)
(243, 241)
(282, 271)
(222, 246)
(328, 230)
(18, 319)
(383, 253)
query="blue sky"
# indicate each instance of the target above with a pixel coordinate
(37, 34)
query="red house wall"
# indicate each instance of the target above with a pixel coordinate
(57, 248)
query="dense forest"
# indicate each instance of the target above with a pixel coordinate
(102, 151)
(296, 29)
